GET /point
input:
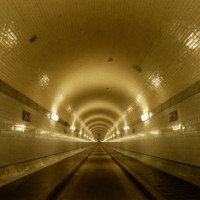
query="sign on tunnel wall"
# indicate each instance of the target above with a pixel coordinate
(173, 116)
(26, 116)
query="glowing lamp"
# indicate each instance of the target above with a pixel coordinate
(54, 117)
(118, 132)
(126, 128)
(80, 133)
(145, 116)
(72, 128)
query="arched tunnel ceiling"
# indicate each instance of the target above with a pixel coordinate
(95, 60)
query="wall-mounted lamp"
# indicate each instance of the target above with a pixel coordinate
(145, 116)
(54, 117)
(126, 128)
(72, 128)
(80, 133)
(118, 132)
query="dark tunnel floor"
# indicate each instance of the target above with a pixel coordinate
(100, 178)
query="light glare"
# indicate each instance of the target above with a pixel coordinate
(80, 133)
(145, 116)
(72, 128)
(126, 128)
(54, 117)
(118, 132)
(20, 127)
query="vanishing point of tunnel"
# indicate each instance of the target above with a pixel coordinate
(99, 99)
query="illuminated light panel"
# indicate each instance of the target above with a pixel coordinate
(72, 128)
(126, 128)
(145, 116)
(54, 117)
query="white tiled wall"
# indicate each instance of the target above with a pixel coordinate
(22, 141)
(173, 147)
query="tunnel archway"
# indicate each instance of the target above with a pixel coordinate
(127, 70)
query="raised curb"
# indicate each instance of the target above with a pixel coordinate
(142, 184)
(54, 191)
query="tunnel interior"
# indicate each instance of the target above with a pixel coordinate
(76, 73)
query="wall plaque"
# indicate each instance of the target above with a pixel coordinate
(173, 116)
(26, 116)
